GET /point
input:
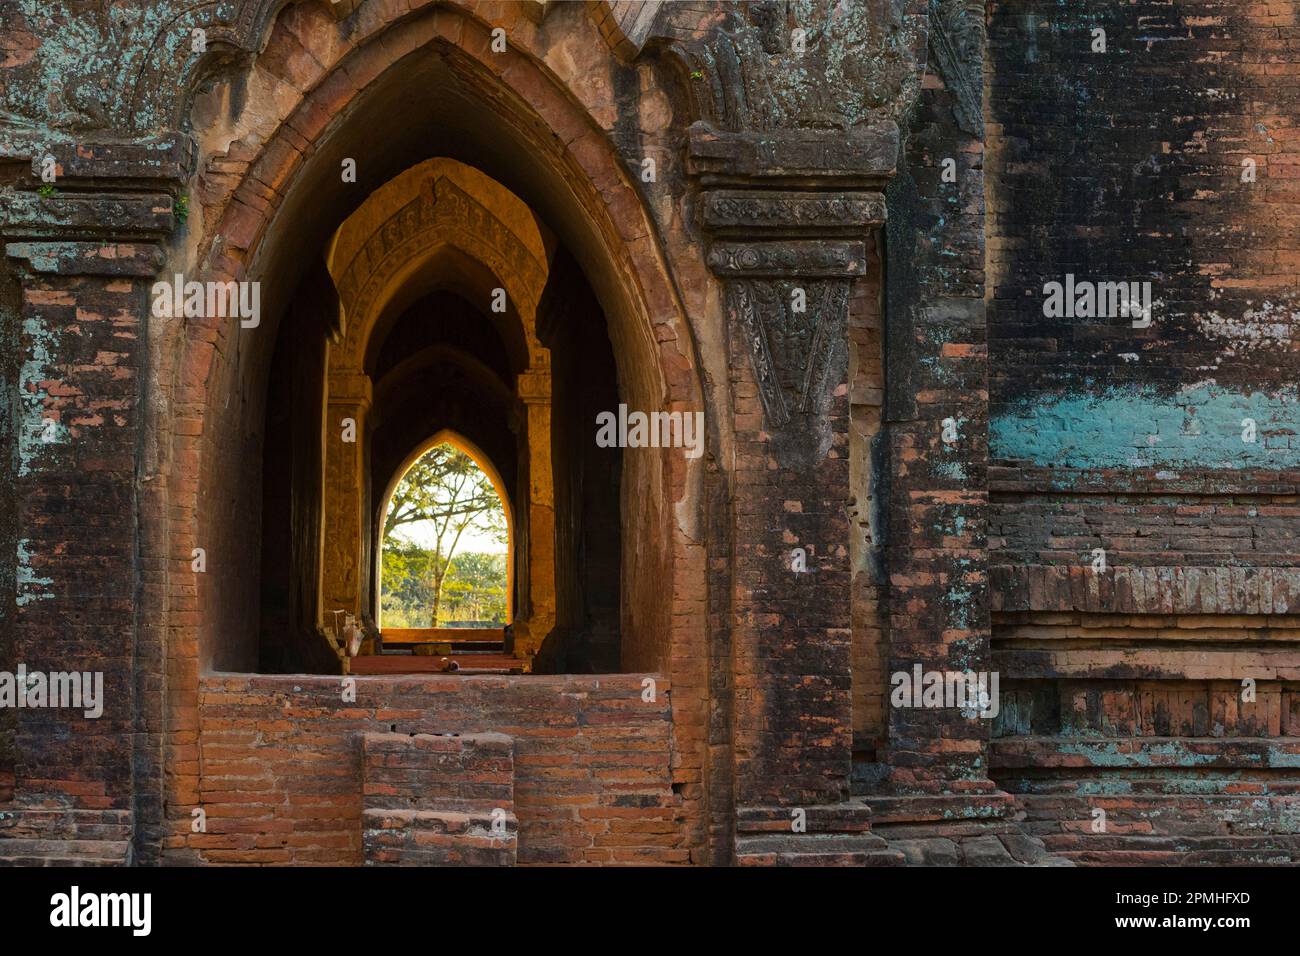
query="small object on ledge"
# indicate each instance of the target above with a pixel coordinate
(449, 664)
(352, 636)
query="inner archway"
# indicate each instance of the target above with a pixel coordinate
(445, 556)
(459, 314)
(450, 499)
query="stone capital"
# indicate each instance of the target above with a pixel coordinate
(351, 388)
(821, 158)
(790, 213)
(813, 259)
(108, 210)
(534, 387)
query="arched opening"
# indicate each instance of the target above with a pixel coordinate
(250, 472)
(383, 315)
(479, 505)
(458, 314)
(444, 571)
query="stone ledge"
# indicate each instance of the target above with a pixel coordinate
(837, 158)
(852, 817)
(815, 849)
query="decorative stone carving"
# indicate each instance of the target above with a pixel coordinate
(957, 42)
(797, 356)
(794, 257)
(787, 298)
(121, 66)
(725, 209)
(787, 290)
(856, 65)
(797, 105)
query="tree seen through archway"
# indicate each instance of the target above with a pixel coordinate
(445, 546)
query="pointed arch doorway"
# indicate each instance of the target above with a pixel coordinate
(442, 518)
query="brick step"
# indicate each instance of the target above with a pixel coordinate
(438, 838)
(815, 849)
(64, 852)
(849, 817)
(939, 807)
(463, 773)
(1103, 842)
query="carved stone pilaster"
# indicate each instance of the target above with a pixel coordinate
(787, 259)
(350, 397)
(787, 291)
(797, 107)
(531, 628)
(957, 44)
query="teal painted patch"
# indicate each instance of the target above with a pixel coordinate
(958, 599)
(36, 430)
(1201, 426)
(951, 470)
(30, 587)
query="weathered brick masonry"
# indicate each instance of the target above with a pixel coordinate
(825, 226)
(438, 799)
(287, 768)
(1172, 157)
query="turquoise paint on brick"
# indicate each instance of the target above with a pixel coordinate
(31, 587)
(1199, 426)
(952, 470)
(35, 431)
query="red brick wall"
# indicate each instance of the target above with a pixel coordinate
(1122, 691)
(280, 775)
(76, 505)
(434, 800)
(936, 372)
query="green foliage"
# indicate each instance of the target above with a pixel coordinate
(47, 190)
(427, 587)
(181, 208)
(405, 593)
(473, 590)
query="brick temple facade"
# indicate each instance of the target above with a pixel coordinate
(988, 549)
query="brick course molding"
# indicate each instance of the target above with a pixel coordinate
(823, 230)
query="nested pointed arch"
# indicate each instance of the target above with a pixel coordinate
(437, 226)
(484, 379)
(485, 464)
(508, 112)
(391, 88)
(395, 247)
(512, 118)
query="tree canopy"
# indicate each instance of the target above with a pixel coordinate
(448, 494)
